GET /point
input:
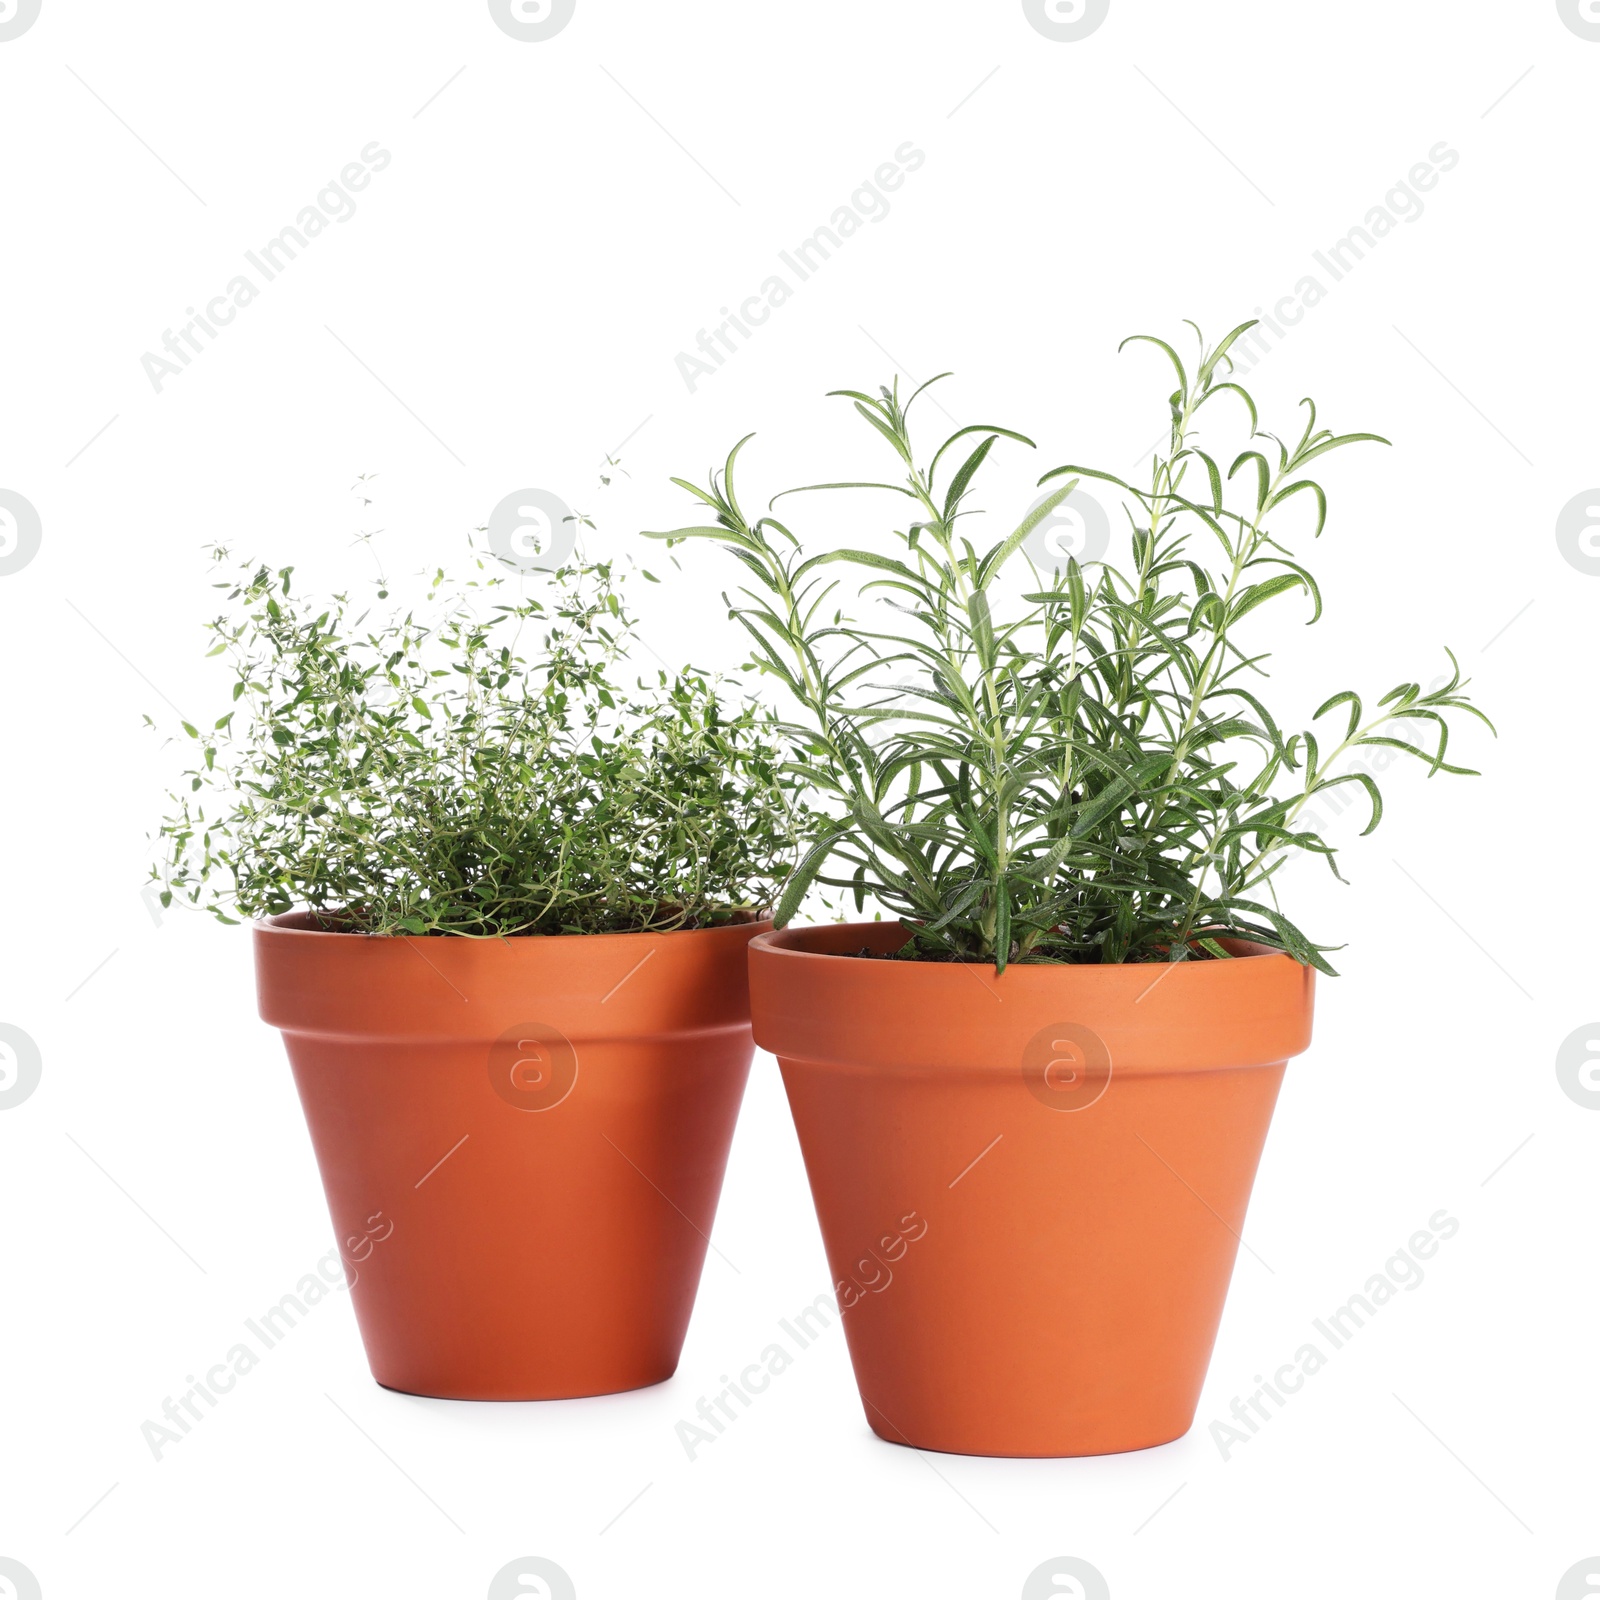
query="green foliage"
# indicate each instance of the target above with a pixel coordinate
(402, 776)
(1083, 771)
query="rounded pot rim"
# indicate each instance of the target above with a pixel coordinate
(812, 1009)
(787, 942)
(291, 924)
(586, 986)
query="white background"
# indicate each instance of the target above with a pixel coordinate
(521, 279)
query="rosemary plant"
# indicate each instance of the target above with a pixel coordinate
(401, 776)
(1082, 771)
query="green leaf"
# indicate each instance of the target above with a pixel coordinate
(900, 447)
(1259, 593)
(971, 428)
(1347, 697)
(801, 879)
(1160, 344)
(1203, 377)
(964, 476)
(1305, 485)
(1008, 546)
(813, 488)
(724, 535)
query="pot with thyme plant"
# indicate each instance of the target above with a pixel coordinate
(1062, 784)
(504, 904)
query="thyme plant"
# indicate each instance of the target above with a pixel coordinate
(481, 773)
(1078, 768)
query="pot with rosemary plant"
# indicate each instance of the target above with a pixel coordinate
(1063, 1049)
(503, 907)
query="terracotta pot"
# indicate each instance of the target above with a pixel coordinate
(522, 1142)
(1031, 1188)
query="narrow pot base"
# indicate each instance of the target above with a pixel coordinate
(621, 1386)
(1033, 1450)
